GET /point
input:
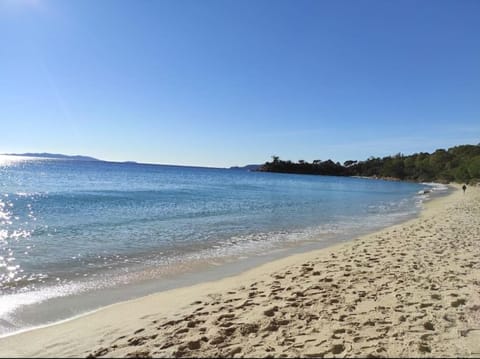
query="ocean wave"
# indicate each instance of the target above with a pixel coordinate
(436, 186)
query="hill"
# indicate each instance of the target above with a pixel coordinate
(457, 164)
(54, 155)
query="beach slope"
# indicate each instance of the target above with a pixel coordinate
(412, 289)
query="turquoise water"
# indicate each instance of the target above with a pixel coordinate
(72, 227)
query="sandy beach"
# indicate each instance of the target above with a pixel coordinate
(412, 289)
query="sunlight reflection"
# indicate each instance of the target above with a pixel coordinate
(8, 160)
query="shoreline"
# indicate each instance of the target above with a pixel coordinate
(85, 334)
(59, 308)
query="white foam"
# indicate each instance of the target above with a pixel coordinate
(436, 186)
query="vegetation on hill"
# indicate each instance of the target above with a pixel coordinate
(457, 164)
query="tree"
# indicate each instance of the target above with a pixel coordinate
(459, 163)
(461, 174)
(473, 167)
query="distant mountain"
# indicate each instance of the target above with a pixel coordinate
(54, 155)
(246, 168)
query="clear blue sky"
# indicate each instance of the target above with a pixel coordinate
(221, 83)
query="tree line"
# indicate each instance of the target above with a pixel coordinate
(457, 164)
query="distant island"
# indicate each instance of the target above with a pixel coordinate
(88, 158)
(457, 164)
(54, 155)
(246, 168)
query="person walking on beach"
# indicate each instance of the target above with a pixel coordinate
(464, 187)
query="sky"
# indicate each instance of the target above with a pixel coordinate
(225, 83)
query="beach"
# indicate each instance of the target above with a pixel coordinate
(412, 289)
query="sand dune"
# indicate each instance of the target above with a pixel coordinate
(410, 290)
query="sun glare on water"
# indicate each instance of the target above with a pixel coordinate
(7, 160)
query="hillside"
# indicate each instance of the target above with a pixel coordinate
(457, 164)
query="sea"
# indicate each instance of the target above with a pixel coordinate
(77, 235)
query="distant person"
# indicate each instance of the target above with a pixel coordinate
(464, 187)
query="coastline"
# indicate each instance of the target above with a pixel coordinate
(247, 304)
(318, 222)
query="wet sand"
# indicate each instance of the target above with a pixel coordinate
(412, 289)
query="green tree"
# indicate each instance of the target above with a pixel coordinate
(473, 167)
(461, 174)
